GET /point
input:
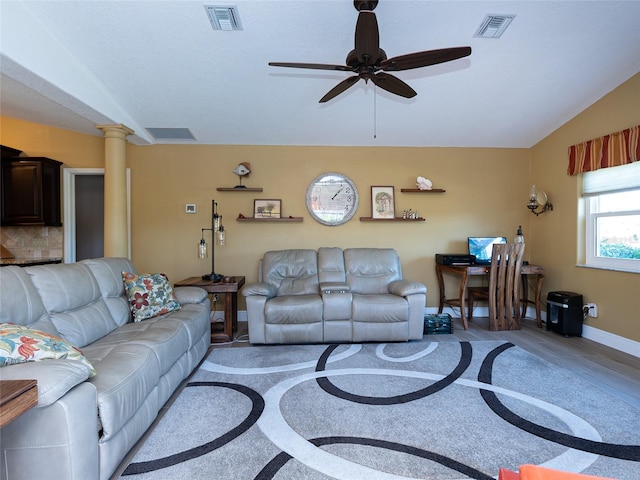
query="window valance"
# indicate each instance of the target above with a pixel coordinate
(619, 148)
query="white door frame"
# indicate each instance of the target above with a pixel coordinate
(69, 202)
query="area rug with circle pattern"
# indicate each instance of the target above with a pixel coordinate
(416, 410)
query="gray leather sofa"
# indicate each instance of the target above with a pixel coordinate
(82, 428)
(333, 295)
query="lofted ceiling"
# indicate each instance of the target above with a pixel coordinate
(159, 64)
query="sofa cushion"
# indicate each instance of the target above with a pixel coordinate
(294, 309)
(167, 338)
(331, 265)
(128, 373)
(292, 272)
(108, 273)
(71, 295)
(20, 302)
(370, 270)
(149, 295)
(20, 344)
(379, 308)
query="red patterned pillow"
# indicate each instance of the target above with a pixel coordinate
(149, 295)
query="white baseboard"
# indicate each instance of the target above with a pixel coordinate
(612, 340)
(603, 337)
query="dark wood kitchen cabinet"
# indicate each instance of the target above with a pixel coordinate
(30, 191)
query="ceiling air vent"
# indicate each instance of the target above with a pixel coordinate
(223, 17)
(494, 26)
(170, 133)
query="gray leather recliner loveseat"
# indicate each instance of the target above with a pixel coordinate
(333, 295)
(82, 427)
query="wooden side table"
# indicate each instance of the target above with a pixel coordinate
(16, 397)
(230, 289)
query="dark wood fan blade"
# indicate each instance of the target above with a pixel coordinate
(367, 38)
(315, 66)
(338, 89)
(424, 59)
(393, 84)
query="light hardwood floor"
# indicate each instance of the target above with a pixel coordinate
(610, 370)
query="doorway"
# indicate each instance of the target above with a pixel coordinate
(84, 213)
(89, 216)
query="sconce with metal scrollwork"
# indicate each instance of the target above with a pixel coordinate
(538, 200)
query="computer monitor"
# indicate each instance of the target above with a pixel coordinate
(482, 247)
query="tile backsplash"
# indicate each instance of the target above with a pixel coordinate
(33, 242)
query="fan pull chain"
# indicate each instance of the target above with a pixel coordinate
(375, 111)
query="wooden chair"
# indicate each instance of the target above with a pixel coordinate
(503, 292)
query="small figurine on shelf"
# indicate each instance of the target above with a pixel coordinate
(424, 183)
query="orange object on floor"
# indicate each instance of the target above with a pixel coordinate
(505, 474)
(534, 472)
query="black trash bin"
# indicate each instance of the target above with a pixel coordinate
(564, 313)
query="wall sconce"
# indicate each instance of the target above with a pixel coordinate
(538, 199)
(219, 236)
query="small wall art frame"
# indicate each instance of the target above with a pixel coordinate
(270, 208)
(383, 203)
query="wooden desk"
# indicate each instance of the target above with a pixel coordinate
(16, 397)
(230, 289)
(464, 271)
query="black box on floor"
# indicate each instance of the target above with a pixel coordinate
(564, 313)
(437, 323)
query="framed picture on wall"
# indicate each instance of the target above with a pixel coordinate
(383, 203)
(267, 208)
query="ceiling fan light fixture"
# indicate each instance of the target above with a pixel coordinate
(493, 26)
(224, 17)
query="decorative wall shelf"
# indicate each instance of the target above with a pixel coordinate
(417, 190)
(269, 220)
(239, 189)
(395, 219)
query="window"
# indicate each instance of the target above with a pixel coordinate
(612, 208)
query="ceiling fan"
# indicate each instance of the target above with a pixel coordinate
(367, 58)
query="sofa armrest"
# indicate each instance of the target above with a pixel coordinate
(190, 294)
(404, 288)
(55, 377)
(334, 287)
(263, 289)
(57, 441)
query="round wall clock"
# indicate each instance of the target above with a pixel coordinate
(332, 198)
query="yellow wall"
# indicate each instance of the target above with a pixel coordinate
(481, 188)
(73, 149)
(556, 234)
(486, 194)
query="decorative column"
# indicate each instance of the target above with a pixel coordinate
(116, 231)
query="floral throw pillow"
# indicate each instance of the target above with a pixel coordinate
(149, 295)
(20, 344)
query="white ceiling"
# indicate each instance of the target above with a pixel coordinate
(75, 64)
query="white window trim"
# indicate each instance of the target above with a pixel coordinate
(591, 259)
